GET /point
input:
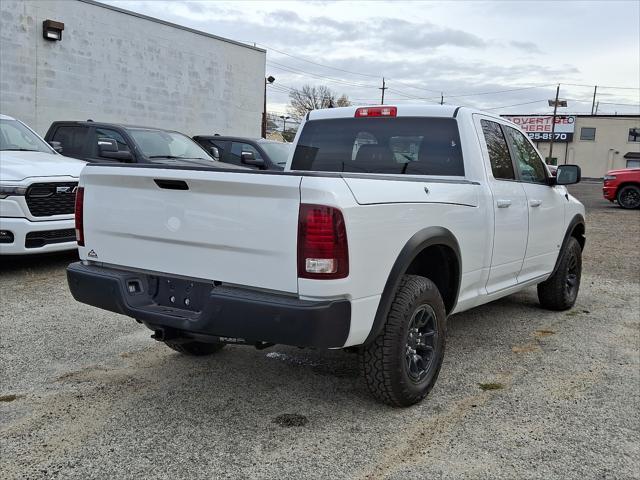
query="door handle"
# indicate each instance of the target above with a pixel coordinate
(535, 203)
(503, 203)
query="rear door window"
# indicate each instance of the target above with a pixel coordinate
(73, 140)
(403, 145)
(501, 164)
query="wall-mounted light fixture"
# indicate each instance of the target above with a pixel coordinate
(52, 30)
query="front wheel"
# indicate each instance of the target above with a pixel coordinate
(402, 363)
(629, 197)
(560, 290)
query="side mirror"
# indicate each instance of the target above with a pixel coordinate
(57, 146)
(107, 145)
(108, 148)
(568, 174)
(215, 153)
(248, 158)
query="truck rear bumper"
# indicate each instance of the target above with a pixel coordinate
(229, 313)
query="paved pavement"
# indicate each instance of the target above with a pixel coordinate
(523, 393)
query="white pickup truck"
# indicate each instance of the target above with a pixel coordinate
(385, 221)
(37, 192)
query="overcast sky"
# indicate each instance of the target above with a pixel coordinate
(462, 49)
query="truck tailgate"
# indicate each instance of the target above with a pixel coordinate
(238, 228)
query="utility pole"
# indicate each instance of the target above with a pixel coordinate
(593, 104)
(268, 79)
(441, 98)
(284, 123)
(556, 103)
(383, 88)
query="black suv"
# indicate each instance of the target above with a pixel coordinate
(111, 142)
(256, 153)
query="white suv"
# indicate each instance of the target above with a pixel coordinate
(37, 192)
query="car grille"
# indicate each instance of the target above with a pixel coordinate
(46, 199)
(45, 237)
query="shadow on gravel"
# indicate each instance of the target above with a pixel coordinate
(242, 381)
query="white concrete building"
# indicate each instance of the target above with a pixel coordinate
(113, 65)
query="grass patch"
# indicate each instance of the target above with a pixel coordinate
(8, 398)
(490, 386)
(572, 313)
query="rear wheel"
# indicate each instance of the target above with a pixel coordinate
(629, 197)
(196, 349)
(401, 364)
(559, 292)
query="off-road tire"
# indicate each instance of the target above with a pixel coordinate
(555, 293)
(628, 197)
(196, 349)
(384, 360)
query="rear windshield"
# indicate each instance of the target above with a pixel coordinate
(405, 145)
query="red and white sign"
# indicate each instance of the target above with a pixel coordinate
(539, 127)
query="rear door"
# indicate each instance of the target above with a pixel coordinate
(237, 228)
(509, 206)
(545, 205)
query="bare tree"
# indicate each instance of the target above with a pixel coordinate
(307, 98)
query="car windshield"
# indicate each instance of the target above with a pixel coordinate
(17, 137)
(162, 145)
(278, 152)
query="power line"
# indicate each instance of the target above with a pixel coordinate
(324, 77)
(500, 91)
(601, 86)
(319, 64)
(516, 104)
(423, 88)
(413, 86)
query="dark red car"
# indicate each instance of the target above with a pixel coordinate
(623, 186)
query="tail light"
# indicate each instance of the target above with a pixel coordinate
(78, 214)
(322, 243)
(376, 112)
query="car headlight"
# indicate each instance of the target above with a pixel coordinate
(6, 190)
(609, 177)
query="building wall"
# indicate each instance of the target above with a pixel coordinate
(116, 66)
(606, 152)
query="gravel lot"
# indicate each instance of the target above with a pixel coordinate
(86, 394)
